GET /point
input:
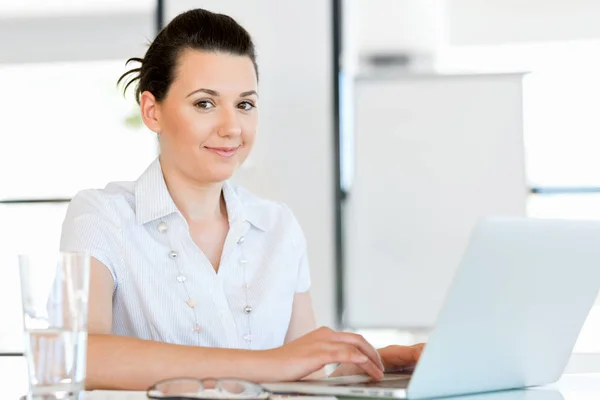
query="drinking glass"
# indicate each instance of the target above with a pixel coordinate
(55, 307)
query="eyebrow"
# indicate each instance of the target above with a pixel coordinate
(216, 94)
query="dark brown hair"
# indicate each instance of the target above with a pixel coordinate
(196, 29)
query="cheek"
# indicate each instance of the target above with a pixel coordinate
(248, 137)
(187, 128)
(199, 129)
(249, 129)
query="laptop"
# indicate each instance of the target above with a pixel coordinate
(510, 319)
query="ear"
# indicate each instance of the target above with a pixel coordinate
(150, 111)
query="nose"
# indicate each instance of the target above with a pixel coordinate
(229, 124)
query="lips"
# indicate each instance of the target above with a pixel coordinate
(223, 151)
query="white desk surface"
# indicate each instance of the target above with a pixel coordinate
(13, 384)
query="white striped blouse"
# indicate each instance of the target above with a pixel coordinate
(165, 289)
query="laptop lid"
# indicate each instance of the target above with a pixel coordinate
(515, 308)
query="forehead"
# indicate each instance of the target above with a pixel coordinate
(223, 72)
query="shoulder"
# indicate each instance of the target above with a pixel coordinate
(250, 200)
(114, 201)
(94, 224)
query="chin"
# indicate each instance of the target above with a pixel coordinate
(221, 174)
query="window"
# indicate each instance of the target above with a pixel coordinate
(29, 8)
(69, 128)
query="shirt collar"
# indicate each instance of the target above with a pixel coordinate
(242, 206)
(152, 198)
(153, 201)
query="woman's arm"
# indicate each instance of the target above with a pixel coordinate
(117, 362)
(303, 321)
(303, 317)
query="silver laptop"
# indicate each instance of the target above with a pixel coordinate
(510, 319)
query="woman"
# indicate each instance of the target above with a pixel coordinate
(191, 274)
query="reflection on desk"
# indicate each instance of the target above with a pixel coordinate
(569, 387)
(510, 395)
(529, 394)
(515, 395)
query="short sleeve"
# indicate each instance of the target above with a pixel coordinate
(91, 226)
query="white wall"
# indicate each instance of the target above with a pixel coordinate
(75, 37)
(476, 22)
(392, 25)
(425, 26)
(293, 159)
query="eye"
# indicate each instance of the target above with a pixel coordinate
(246, 106)
(204, 104)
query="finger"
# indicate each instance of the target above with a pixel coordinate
(371, 369)
(342, 353)
(364, 346)
(419, 347)
(401, 356)
(347, 353)
(361, 343)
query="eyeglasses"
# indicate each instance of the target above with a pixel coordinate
(192, 389)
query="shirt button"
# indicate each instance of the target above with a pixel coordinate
(181, 278)
(197, 329)
(163, 227)
(247, 309)
(241, 240)
(173, 254)
(243, 261)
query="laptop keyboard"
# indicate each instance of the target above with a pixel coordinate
(401, 383)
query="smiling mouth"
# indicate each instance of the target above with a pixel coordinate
(225, 152)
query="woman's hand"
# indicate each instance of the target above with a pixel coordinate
(394, 358)
(313, 351)
(401, 358)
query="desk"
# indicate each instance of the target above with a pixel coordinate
(13, 384)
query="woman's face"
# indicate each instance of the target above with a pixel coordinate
(208, 119)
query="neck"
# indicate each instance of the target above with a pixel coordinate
(197, 201)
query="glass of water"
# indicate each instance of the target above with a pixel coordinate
(55, 306)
